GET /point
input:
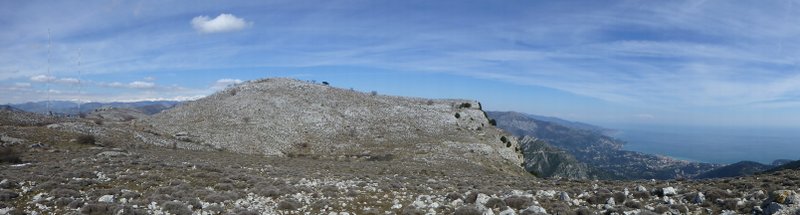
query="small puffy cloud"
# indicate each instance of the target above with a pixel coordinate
(149, 78)
(141, 85)
(222, 23)
(42, 78)
(225, 82)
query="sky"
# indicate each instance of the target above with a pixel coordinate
(715, 63)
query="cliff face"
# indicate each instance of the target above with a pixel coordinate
(544, 160)
(290, 117)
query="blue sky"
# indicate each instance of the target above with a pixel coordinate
(731, 63)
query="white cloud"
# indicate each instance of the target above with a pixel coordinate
(42, 78)
(131, 85)
(22, 84)
(149, 78)
(53, 79)
(225, 82)
(222, 23)
(114, 84)
(141, 85)
(68, 81)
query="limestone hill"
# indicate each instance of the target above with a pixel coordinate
(286, 117)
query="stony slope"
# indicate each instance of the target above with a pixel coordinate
(287, 117)
(598, 150)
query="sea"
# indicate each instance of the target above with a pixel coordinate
(722, 145)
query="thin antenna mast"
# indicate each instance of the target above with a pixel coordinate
(79, 82)
(47, 83)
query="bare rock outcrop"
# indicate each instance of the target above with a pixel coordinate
(287, 117)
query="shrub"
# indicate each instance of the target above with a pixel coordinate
(619, 197)
(86, 139)
(176, 207)
(6, 195)
(466, 210)
(493, 122)
(641, 195)
(410, 210)
(465, 105)
(97, 209)
(634, 204)
(216, 198)
(9, 155)
(583, 211)
(381, 157)
(288, 205)
(518, 202)
(59, 192)
(471, 197)
(454, 196)
(373, 93)
(429, 102)
(495, 203)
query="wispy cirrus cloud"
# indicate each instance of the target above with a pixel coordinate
(657, 55)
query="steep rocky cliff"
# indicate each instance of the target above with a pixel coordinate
(287, 117)
(544, 160)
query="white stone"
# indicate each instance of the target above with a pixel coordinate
(699, 199)
(536, 209)
(106, 198)
(508, 211)
(482, 199)
(669, 191)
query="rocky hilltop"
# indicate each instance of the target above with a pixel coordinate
(287, 117)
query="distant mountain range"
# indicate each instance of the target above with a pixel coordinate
(71, 108)
(572, 124)
(597, 150)
(736, 169)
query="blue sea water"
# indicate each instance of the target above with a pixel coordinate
(713, 144)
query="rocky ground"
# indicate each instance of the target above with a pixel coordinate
(61, 173)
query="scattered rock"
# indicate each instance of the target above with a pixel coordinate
(773, 208)
(106, 199)
(564, 197)
(669, 191)
(535, 209)
(699, 198)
